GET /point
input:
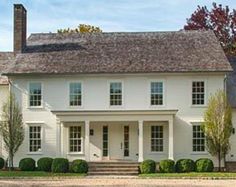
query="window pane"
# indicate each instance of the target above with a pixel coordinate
(198, 93)
(157, 138)
(75, 138)
(156, 93)
(35, 94)
(198, 139)
(75, 94)
(115, 93)
(34, 138)
(105, 141)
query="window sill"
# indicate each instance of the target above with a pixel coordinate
(75, 153)
(199, 153)
(34, 153)
(35, 107)
(156, 106)
(116, 106)
(198, 106)
(157, 153)
(75, 107)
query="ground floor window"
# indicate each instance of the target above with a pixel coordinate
(198, 139)
(75, 139)
(105, 141)
(157, 138)
(126, 140)
(35, 138)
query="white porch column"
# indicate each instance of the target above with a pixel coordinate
(140, 141)
(171, 140)
(62, 140)
(87, 142)
(58, 144)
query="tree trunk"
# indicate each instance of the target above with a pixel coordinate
(224, 162)
(219, 161)
(11, 161)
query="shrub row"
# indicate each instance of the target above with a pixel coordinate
(57, 165)
(181, 166)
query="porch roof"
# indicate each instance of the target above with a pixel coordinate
(114, 115)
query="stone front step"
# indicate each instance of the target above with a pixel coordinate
(113, 168)
(112, 173)
(231, 166)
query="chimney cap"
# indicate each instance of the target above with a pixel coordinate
(20, 6)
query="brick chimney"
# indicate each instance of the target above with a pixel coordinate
(20, 15)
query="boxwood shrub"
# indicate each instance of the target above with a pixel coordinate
(45, 164)
(167, 166)
(79, 166)
(27, 164)
(204, 165)
(60, 165)
(185, 165)
(148, 166)
(2, 162)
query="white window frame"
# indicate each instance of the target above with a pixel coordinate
(82, 139)
(82, 94)
(122, 92)
(205, 93)
(157, 138)
(35, 124)
(150, 93)
(197, 152)
(32, 82)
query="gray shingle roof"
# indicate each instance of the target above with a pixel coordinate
(6, 62)
(182, 51)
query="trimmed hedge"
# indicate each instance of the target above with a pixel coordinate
(148, 166)
(2, 163)
(204, 165)
(185, 165)
(167, 166)
(60, 165)
(45, 164)
(79, 166)
(27, 164)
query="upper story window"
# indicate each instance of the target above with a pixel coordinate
(156, 93)
(75, 94)
(35, 138)
(115, 93)
(157, 138)
(198, 139)
(198, 93)
(35, 98)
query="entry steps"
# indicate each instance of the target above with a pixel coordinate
(113, 168)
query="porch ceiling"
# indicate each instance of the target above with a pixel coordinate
(114, 115)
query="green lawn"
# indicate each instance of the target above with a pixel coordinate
(13, 174)
(190, 175)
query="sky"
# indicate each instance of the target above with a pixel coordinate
(110, 15)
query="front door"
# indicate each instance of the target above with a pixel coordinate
(116, 142)
(119, 141)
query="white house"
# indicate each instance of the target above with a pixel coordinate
(115, 96)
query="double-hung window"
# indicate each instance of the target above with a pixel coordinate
(198, 93)
(115, 94)
(156, 93)
(75, 94)
(198, 139)
(75, 139)
(35, 138)
(35, 94)
(157, 138)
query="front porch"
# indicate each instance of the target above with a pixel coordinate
(115, 135)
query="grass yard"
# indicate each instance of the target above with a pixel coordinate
(12, 174)
(191, 175)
